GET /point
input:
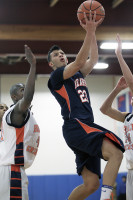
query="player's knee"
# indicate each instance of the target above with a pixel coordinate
(119, 155)
(91, 186)
(111, 151)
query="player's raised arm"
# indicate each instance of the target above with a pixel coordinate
(107, 108)
(25, 102)
(93, 58)
(124, 67)
(21, 94)
(82, 56)
(93, 53)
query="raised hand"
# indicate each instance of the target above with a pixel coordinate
(119, 47)
(122, 83)
(29, 55)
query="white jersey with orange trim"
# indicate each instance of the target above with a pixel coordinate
(128, 140)
(19, 145)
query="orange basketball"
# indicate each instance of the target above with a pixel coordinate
(92, 5)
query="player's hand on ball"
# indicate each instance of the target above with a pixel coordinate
(91, 23)
(93, 6)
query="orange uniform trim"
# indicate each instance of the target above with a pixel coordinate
(19, 156)
(15, 168)
(88, 129)
(64, 94)
(19, 179)
(15, 197)
(20, 164)
(19, 135)
(18, 149)
(112, 137)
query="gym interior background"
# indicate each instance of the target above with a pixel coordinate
(40, 24)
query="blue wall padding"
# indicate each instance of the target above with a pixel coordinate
(58, 187)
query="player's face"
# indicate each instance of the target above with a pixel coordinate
(3, 109)
(20, 93)
(58, 59)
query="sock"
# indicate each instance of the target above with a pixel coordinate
(106, 191)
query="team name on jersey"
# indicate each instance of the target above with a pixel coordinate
(80, 82)
(32, 150)
(127, 130)
(128, 146)
(36, 129)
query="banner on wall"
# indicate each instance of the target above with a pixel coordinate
(124, 102)
(130, 106)
(121, 102)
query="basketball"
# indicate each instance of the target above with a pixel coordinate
(92, 5)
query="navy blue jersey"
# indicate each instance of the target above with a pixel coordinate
(81, 134)
(72, 95)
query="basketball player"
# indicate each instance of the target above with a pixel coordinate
(20, 138)
(89, 141)
(126, 118)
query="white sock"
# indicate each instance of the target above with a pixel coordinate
(106, 192)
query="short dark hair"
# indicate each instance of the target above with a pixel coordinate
(15, 88)
(53, 48)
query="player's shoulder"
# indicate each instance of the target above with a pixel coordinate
(56, 78)
(56, 71)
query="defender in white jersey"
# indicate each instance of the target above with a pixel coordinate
(20, 138)
(126, 118)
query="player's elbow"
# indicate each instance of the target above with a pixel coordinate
(94, 59)
(103, 110)
(94, 62)
(80, 63)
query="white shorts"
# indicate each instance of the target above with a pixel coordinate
(13, 183)
(129, 185)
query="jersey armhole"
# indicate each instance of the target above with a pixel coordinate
(127, 115)
(8, 120)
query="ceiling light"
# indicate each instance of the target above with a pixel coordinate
(116, 3)
(53, 2)
(101, 66)
(113, 45)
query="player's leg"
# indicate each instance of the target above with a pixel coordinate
(114, 157)
(90, 185)
(129, 185)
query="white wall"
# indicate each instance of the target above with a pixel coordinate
(54, 157)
